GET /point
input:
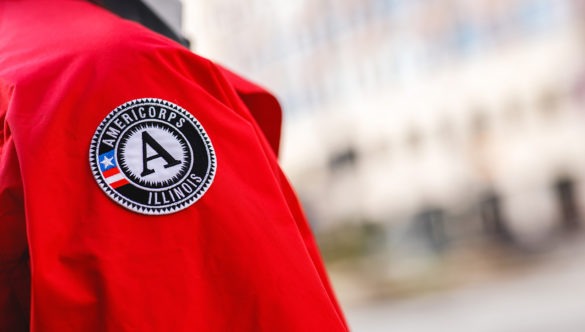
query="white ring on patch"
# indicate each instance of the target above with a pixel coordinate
(152, 157)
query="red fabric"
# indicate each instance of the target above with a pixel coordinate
(241, 258)
(262, 105)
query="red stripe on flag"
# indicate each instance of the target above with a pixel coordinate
(119, 183)
(110, 172)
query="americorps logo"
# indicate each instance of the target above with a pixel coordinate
(152, 157)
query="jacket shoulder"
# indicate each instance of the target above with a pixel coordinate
(36, 35)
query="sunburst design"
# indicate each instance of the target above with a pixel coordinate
(153, 181)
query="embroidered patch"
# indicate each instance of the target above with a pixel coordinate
(152, 157)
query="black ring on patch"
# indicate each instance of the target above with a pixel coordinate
(152, 157)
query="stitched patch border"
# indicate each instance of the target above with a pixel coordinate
(152, 157)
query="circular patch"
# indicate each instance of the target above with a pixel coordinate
(152, 157)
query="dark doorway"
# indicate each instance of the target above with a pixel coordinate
(566, 194)
(493, 219)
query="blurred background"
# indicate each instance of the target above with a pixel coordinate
(438, 147)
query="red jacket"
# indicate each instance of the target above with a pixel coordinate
(137, 191)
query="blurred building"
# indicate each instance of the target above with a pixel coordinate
(419, 111)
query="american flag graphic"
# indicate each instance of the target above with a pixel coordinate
(109, 168)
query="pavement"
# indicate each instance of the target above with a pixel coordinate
(547, 298)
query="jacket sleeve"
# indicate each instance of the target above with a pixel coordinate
(108, 249)
(266, 113)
